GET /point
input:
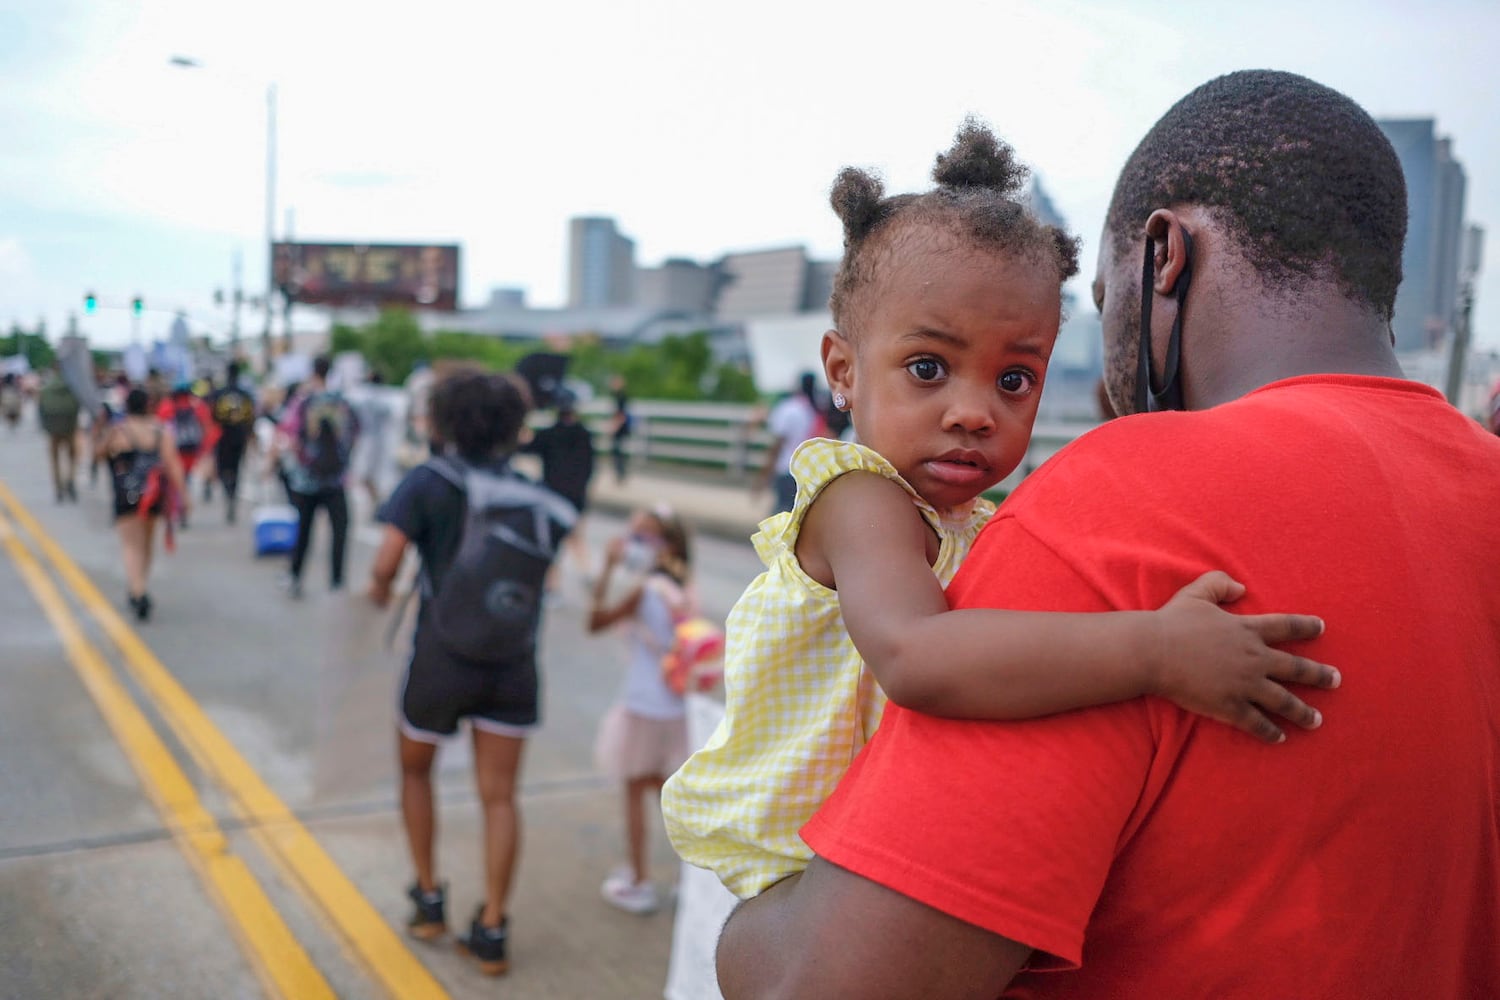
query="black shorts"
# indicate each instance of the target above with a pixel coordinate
(441, 690)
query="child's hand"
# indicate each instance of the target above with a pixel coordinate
(1222, 665)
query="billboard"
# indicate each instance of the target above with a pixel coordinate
(367, 274)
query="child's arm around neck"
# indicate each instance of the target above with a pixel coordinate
(863, 537)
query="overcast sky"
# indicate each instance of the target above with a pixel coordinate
(702, 127)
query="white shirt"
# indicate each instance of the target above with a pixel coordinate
(792, 421)
(652, 633)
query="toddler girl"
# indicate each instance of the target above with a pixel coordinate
(643, 737)
(946, 307)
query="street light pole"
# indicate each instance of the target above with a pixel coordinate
(265, 337)
(184, 62)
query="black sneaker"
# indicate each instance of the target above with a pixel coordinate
(487, 944)
(428, 920)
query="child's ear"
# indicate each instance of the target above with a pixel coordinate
(838, 363)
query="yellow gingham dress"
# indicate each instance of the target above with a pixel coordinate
(798, 702)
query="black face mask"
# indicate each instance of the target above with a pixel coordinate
(1169, 397)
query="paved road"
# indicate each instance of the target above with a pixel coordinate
(115, 882)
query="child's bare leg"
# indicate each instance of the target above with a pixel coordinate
(636, 791)
(417, 812)
(497, 762)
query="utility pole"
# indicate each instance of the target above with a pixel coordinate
(265, 337)
(238, 298)
(288, 292)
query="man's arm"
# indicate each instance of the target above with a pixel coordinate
(830, 933)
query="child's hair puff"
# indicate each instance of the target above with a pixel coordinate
(979, 184)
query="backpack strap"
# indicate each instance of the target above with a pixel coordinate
(511, 489)
(507, 487)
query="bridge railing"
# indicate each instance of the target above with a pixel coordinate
(729, 440)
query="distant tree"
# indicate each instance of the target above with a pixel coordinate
(733, 384)
(32, 345)
(346, 338)
(393, 344)
(677, 367)
(492, 352)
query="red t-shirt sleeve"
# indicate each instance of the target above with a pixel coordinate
(1008, 826)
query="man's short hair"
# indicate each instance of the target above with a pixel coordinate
(322, 365)
(1299, 174)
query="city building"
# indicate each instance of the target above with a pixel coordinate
(601, 264)
(1426, 305)
(763, 283)
(1040, 205)
(678, 285)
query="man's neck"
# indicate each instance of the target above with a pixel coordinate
(1315, 335)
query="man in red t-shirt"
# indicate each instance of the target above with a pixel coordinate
(1150, 852)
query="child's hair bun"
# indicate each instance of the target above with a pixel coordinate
(856, 199)
(977, 159)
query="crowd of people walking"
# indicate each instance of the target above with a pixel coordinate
(929, 790)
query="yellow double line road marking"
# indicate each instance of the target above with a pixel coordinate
(276, 956)
(273, 825)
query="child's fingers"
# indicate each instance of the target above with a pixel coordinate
(1276, 629)
(1274, 698)
(1216, 587)
(1292, 669)
(1253, 721)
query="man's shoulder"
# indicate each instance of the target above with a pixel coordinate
(1127, 448)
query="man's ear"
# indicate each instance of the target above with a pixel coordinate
(1164, 230)
(838, 364)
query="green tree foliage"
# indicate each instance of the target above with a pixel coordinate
(346, 338)
(676, 368)
(393, 344)
(30, 344)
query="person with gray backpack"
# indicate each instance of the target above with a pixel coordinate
(318, 431)
(486, 536)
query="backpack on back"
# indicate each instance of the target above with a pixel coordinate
(58, 409)
(696, 659)
(327, 436)
(233, 408)
(187, 429)
(487, 608)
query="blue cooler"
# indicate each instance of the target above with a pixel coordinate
(275, 529)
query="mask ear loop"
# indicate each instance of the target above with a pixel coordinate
(1169, 397)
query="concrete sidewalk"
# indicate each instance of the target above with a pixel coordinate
(711, 504)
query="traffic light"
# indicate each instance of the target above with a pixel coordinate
(90, 302)
(136, 305)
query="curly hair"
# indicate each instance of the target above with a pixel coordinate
(479, 414)
(978, 184)
(1304, 180)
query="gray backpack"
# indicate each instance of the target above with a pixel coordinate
(488, 606)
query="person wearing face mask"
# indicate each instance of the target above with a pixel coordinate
(1247, 277)
(643, 737)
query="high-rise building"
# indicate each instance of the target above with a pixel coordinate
(1040, 204)
(678, 285)
(1426, 304)
(763, 283)
(601, 264)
